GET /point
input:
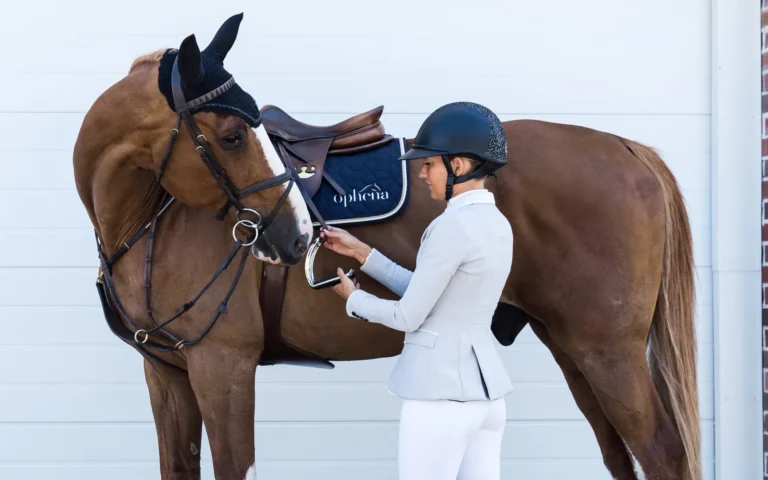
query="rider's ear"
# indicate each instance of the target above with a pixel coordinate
(457, 165)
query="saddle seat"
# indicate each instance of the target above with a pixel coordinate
(364, 129)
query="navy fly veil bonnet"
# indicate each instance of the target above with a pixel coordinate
(207, 86)
(194, 81)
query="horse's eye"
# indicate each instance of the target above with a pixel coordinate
(233, 140)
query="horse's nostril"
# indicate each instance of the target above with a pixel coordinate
(301, 244)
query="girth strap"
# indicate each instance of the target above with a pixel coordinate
(276, 349)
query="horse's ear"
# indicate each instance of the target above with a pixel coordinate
(225, 37)
(190, 66)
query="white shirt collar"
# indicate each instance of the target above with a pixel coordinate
(471, 197)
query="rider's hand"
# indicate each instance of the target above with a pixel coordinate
(346, 287)
(344, 243)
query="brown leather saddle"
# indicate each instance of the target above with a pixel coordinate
(306, 148)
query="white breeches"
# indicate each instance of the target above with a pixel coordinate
(446, 440)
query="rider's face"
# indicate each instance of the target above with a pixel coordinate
(434, 174)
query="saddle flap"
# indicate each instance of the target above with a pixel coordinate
(311, 151)
(308, 159)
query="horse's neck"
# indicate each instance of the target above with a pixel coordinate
(126, 197)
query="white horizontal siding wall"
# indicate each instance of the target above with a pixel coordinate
(73, 404)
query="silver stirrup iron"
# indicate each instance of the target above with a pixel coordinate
(309, 263)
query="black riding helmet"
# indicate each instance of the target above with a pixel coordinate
(461, 129)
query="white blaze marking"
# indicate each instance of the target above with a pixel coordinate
(251, 473)
(300, 211)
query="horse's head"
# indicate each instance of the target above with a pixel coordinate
(222, 157)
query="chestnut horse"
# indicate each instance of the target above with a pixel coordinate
(602, 272)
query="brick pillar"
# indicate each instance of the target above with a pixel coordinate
(764, 120)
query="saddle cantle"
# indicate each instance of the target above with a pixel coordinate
(307, 147)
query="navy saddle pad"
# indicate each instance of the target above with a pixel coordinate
(375, 182)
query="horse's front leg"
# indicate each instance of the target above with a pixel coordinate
(177, 421)
(223, 378)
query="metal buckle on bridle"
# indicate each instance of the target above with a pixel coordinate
(309, 263)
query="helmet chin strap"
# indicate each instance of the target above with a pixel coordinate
(453, 179)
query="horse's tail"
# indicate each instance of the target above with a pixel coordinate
(673, 333)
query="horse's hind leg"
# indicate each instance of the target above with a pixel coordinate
(615, 456)
(621, 379)
(177, 421)
(223, 380)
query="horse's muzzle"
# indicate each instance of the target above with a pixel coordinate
(283, 242)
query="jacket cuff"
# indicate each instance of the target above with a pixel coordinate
(365, 262)
(353, 302)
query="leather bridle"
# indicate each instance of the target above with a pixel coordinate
(203, 149)
(140, 338)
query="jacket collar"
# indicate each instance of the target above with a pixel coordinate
(471, 197)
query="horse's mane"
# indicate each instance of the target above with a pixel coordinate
(149, 206)
(150, 58)
(156, 193)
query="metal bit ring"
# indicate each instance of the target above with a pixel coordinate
(247, 224)
(258, 216)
